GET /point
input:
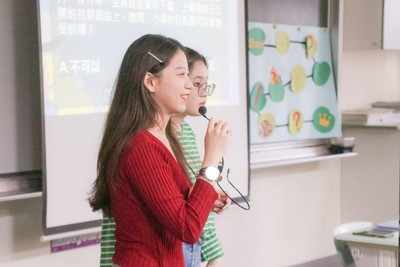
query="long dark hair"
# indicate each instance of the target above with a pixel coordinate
(193, 56)
(132, 109)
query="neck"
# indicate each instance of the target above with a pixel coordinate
(159, 131)
(160, 128)
(177, 120)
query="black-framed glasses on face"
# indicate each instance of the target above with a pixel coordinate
(205, 89)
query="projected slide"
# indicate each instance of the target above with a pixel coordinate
(83, 46)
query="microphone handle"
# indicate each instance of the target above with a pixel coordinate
(204, 115)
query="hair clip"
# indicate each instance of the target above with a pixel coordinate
(156, 58)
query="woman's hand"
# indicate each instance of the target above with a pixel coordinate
(222, 203)
(216, 142)
(214, 263)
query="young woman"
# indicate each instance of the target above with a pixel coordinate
(208, 248)
(141, 179)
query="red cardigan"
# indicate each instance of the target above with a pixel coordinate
(151, 207)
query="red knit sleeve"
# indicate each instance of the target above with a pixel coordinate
(154, 174)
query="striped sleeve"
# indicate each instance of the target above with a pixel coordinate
(107, 242)
(211, 247)
(187, 140)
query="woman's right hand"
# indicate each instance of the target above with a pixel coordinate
(216, 141)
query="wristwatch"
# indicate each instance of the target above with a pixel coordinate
(210, 173)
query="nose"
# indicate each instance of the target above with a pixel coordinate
(188, 83)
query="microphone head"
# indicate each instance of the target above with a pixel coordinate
(202, 110)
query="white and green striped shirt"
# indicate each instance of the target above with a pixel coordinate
(211, 247)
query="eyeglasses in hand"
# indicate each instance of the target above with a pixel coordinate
(237, 190)
(204, 89)
(220, 168)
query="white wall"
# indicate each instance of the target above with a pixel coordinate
(370, 181)
(368, 76)
(20, 246)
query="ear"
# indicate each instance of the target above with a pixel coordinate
(150, 82)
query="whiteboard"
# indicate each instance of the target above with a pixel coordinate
(81, 47)
(320, 13)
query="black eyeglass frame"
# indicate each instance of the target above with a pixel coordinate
(205, 89)
(237, 190)
(220, 168)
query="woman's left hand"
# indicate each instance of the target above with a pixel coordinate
(214, 263)
(222, 203)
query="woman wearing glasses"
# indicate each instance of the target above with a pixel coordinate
(141, 180)
(209, 246)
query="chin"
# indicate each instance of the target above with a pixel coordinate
(181, 110)
(193, 113)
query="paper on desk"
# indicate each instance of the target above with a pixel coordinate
(390, 225)
(376, 233)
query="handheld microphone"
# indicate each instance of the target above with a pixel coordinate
(203, 111)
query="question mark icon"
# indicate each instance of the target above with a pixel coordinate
(295, 121)
(297, 118)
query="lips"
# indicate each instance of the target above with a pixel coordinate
(185, 98)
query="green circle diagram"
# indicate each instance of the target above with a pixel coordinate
(256, 41)
(321, 72)
(258, 100)
(275, 89)
(276, 92)
(323, 120)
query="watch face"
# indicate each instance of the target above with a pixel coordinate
(212, 173)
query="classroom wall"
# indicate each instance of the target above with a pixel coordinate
(368, 76)
(20, 246)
